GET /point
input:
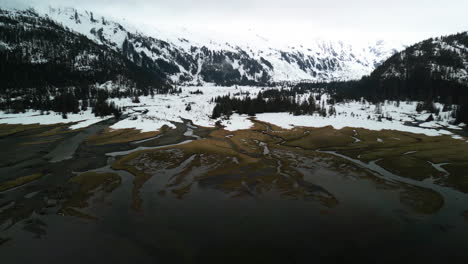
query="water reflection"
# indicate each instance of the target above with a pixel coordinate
(212, 201)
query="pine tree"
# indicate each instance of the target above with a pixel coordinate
(331, 110)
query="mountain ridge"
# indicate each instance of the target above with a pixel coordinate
(190, 62)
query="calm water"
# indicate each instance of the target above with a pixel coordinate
(341, 216)
(368, 223)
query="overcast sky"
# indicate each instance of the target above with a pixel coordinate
(403, 20)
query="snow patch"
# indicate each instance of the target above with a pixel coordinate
(288, 121)
(237, 122)
(84, 119)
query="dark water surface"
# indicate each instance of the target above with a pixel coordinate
(344, 218)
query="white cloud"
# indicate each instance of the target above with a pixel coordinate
(400, 20)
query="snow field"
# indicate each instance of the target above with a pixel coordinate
(154, 112)
(83, 119)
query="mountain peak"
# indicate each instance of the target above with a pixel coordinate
(242, 57)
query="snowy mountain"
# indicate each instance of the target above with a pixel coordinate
(37, 53)
(435, 69)
(189, 58)
(444, 58)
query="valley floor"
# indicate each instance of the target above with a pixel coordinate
(170, 185)
(196, 194)
(152, 113)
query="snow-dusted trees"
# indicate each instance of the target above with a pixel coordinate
(461, 114)
(40, 60)
(270, 101)
(103, 108)
(428, 106)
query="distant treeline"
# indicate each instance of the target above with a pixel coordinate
(64, 102)
(417, 88)
(427, 71)
(47, 67)
(373, 90)
(285, 100)
(270, 101)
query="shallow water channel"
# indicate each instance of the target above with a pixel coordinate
(338, 214)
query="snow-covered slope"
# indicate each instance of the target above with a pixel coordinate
(151, 113)
(444, 58)
(188, 57)
(433, 69)
(38, 54)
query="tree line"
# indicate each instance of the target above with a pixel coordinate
(271, 101)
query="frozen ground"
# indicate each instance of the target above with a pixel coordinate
(401, 117)
(286, 120)
(83, 119)
(153, 113)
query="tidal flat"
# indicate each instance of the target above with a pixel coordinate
(207, 195)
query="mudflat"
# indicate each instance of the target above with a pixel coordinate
(201, 195)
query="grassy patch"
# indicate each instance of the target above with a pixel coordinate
(458, 176)
(39, 142)
(7, 129)
(7, 185)
(213, 146)
(109, 136)
(135, 162)
(320, 138)
(409, 167)
(140, 176)
(235, 162)
(180, 192)
(88, 183)
(70, 211)
(58, 129)
(402, 153)
(421, 200)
